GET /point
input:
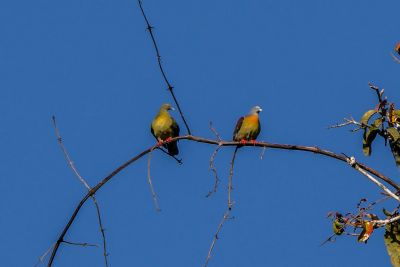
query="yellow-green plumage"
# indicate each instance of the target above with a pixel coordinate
(163, 127)
(248, 127)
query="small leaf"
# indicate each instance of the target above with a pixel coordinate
(392, 242)
(337, 227)
(377, 123)
(392, 114)
(393, 133)
(368, 138)
(367, 115)
(366, 233)
(395, 147)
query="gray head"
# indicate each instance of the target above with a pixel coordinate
(166, 107)
(255, 110)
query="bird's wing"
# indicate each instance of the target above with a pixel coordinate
(152, 131)
(238, 126)
(174, 128)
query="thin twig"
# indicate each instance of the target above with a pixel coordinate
(212, 161)
(373, 203)
(356, 217)
(310, 149)
(81, 244)
(380, 223)
(102, 230)
(353, 163)
(376, 89)
(216, 237)
(172, 156)
(348, 122)
(67, 157)
(262, 152)
(214, 170)
(153, 193)
(395, 58)
(329, 239)
(160, 65)
(215, 131)
(230, 187)
(43, 256)
(77, 174)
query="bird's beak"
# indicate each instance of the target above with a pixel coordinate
(260, 109)
(172, 108)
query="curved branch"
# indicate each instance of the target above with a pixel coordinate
(218, 143)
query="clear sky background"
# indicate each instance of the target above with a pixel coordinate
(91, 63)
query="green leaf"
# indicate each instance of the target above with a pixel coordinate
(368, 138)
(397, 112)
(337, 227)
(394, 134)
(395, 147)
(367, 115)
(377, 123)
(366, 233)
(392, 242)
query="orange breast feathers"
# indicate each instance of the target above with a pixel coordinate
(252, 119)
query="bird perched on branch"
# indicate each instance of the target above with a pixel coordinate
(164, 127)
(248, 127)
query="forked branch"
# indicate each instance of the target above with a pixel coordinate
(310, 149)
(84, 182)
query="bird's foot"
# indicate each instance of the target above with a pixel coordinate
(243, 141)
(253, 142)
(160, 143)
(168, 140)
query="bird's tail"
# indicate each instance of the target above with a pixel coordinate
(173, 148)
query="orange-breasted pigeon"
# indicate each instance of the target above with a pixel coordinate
(164, 127)
(248, 127)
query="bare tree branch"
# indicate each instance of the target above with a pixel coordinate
(230, 187)
(212, 162)
(216, 237)
(81, 244)
(215, 131)
(77, 174)
(348, 122)
(395, 58)
(153, 193)
(214, 170)
(226, 215)
(262, 153)
(172, 156)
(352, 162)
(310, 149)
(170, 87)
(102, 230)
(380, 223)
(44, 255)
(67, 157)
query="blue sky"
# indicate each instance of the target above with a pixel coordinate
(91, 64)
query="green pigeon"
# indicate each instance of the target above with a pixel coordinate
(248, 127)
(164, 127)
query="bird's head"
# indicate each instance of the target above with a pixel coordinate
(167, 107)
(255, 110)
